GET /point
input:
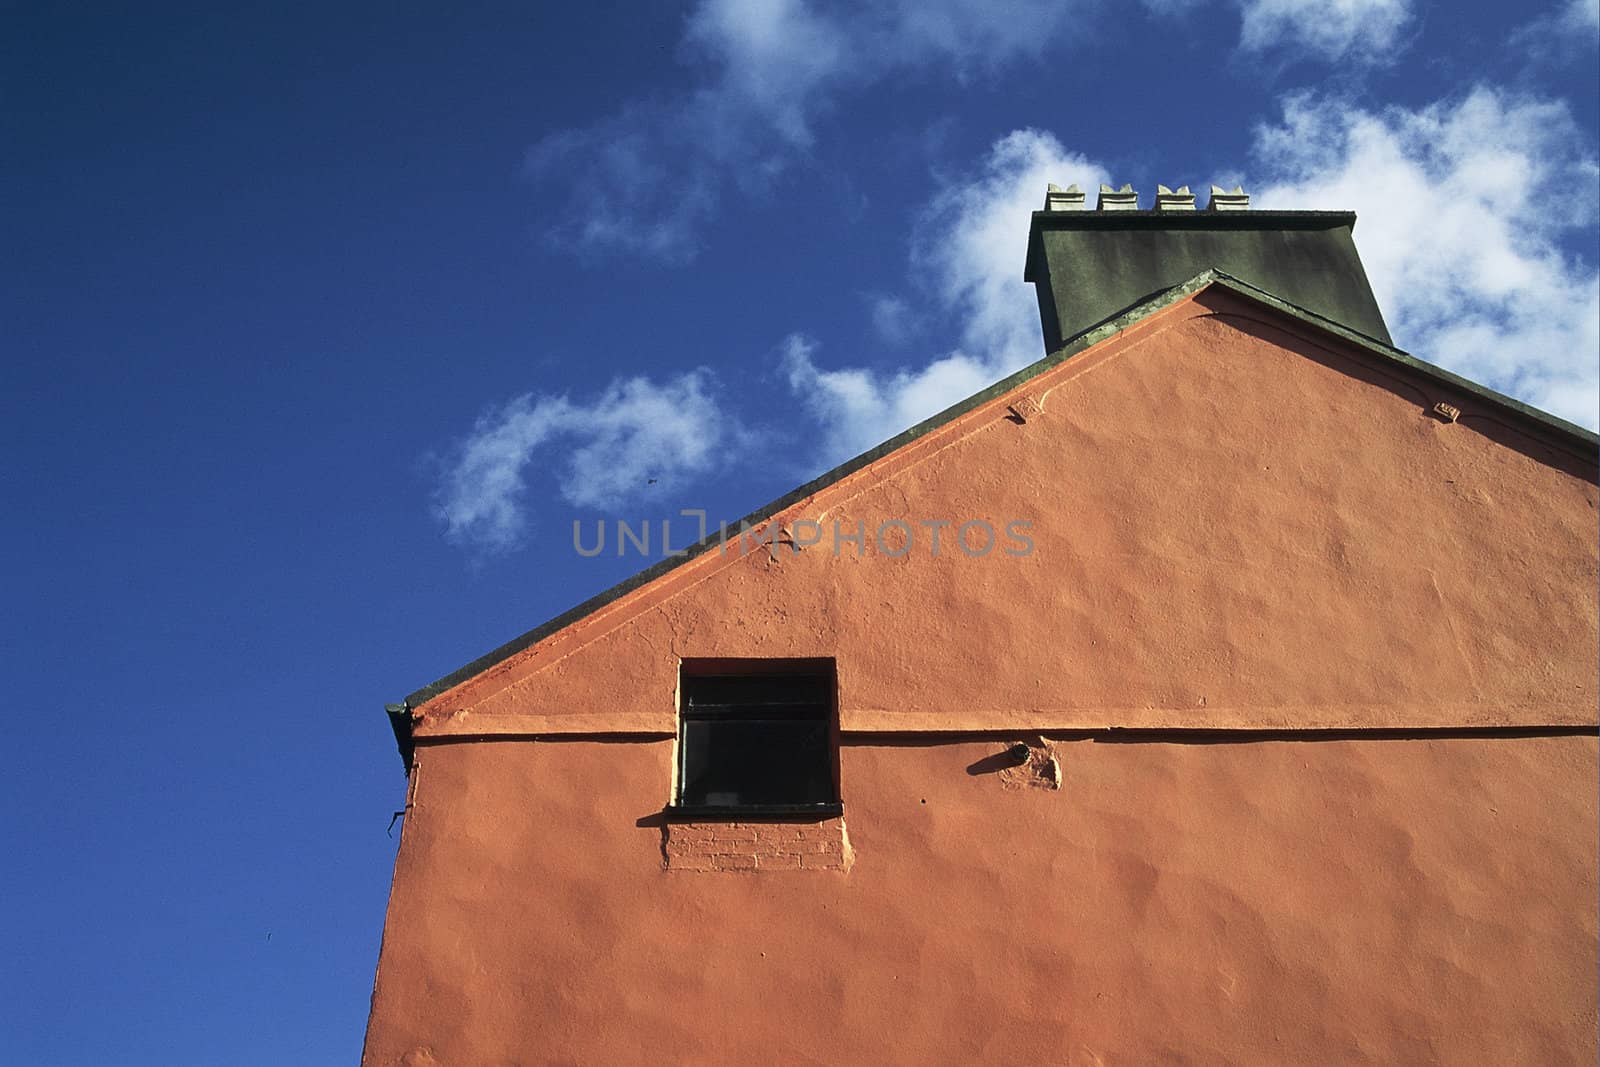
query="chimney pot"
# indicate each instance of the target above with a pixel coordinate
(1222, 200)
(1124, 199)
(1059, 199)
(1167, 200)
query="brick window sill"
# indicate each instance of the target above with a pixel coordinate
(810, 838)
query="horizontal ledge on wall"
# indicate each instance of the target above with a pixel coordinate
(466, 724)
(655, 725)
(1308, 717)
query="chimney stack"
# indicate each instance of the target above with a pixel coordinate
(1222, 200)
(1167, 200)
(1124, 199)
(1059, 199)
(1089, 266)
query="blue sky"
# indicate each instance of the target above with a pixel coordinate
(322, 325)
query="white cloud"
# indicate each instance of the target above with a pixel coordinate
(972, 241)
(1578, 16)
(601, 454)
(1331, 29)
(1368, 32)
(765, 72)
(858, 408)
(646, 180)
(969, 249)
(893, 320)
(971, 34)
(1562, 34)
(633, 184)
(1463, 208)
(776, 58)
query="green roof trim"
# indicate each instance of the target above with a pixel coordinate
(1571, 434)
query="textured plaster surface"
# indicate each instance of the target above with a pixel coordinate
(1238, 525)
(1327, 902)
(1235, 525)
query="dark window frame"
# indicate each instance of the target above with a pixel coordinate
(777, 693)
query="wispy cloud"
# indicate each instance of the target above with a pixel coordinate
(1463, 208)
(858, 407)
(968, 251)
(1361, 32)
(1330, 29)
(775, 63)
(646, 180)
(1562, 34)
(893, 320)
(1467, 207)
(971, 240)
(600, 454)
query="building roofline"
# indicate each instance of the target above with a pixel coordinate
(1570, 434)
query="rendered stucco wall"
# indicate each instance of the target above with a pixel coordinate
(1237, 527)
(1234, 527)
(1393, 901)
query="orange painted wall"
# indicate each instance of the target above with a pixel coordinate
(1235, 526)
(1238, 525)
(1270, 903)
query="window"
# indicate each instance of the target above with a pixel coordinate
(757, 737)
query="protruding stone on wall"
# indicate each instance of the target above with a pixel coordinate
(1033, 763)
(1025, 407)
